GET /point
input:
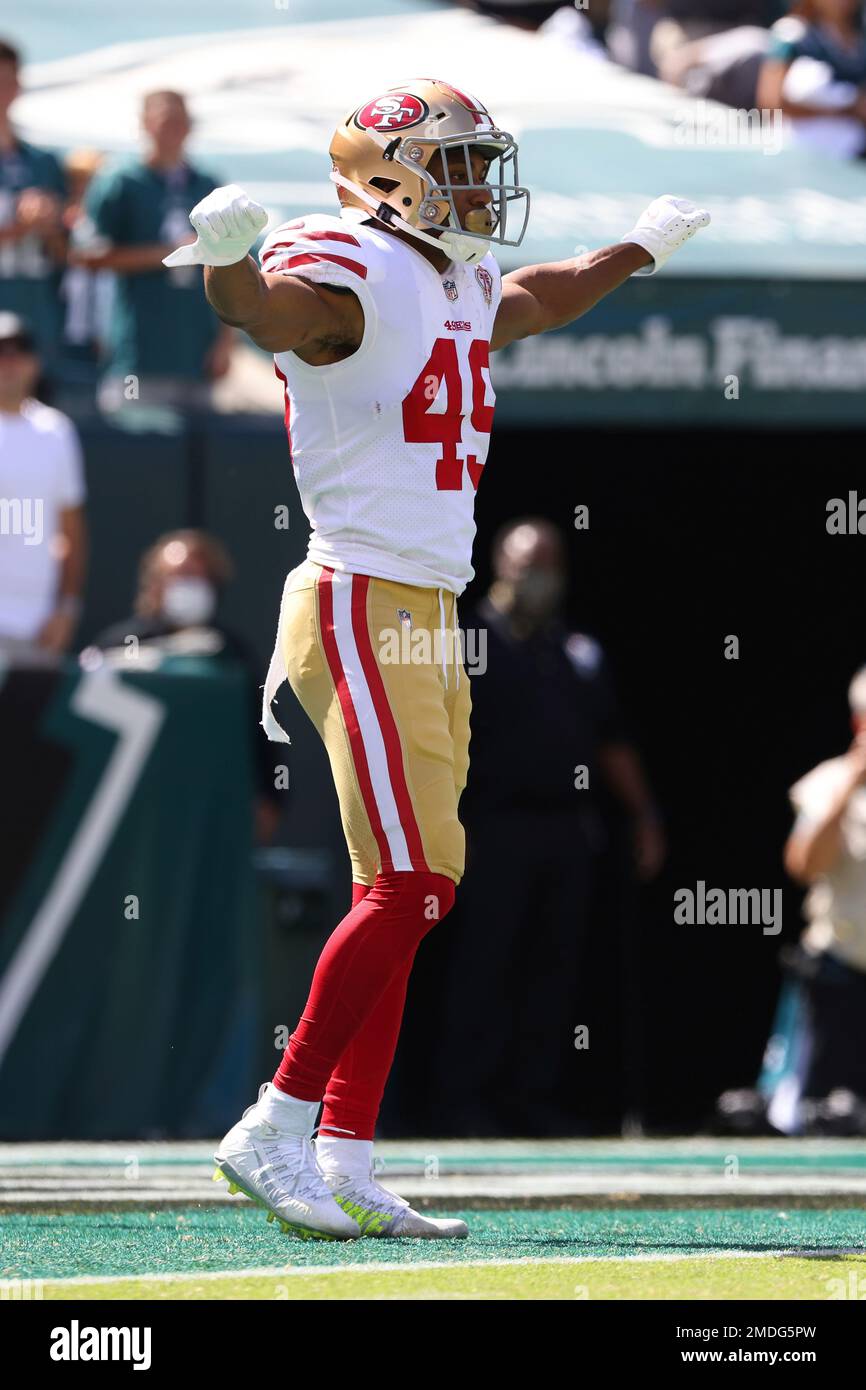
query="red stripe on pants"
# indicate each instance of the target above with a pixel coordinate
(350, 715)
(387, 723)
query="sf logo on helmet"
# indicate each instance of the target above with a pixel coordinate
(391, 112)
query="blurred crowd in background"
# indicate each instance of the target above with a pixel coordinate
(88, 315)
(81, 249)
(806, 59)
(82, 239)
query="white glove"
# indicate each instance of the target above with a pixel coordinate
(227, 223)
(665, 226)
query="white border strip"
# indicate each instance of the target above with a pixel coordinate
(395, 1267)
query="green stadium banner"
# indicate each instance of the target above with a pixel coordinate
(129, 942)
(697, 352)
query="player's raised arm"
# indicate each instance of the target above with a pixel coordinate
(537, 298)
(279, 313)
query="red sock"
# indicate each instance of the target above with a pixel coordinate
(371, 950)
(357, 1083)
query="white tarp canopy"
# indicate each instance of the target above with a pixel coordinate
(596, 142)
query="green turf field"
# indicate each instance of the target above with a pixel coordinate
(509, 1254)
(576, 1221)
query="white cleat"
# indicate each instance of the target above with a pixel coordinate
(380, 1212)
(277, 1169)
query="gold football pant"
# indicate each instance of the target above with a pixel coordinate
(377, 667)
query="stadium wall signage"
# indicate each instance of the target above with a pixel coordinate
(737, 352)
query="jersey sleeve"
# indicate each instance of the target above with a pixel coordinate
(495, 270)
(326, 251)
(489, 276)
(322, 249)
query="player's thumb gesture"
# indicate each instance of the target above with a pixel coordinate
(227, 223)
(666, 225)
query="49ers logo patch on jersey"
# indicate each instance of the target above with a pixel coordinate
(393, 111)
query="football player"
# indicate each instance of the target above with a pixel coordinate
(381, 320)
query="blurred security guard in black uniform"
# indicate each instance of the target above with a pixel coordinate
(546, 735)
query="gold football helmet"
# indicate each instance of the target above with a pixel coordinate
(381, 151)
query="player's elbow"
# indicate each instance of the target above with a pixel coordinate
(237, 301)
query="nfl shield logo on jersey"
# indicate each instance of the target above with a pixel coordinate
(405, 617)
(485, 280)
(450, 288)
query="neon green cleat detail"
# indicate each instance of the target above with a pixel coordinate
(286, 1227)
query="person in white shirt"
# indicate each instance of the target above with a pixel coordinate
(827, 851)
(42, 492)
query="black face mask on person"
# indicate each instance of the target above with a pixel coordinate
(537, 592)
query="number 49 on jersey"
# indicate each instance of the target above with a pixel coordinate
(421, 425)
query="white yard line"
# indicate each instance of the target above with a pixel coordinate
(386, 1266)
(417, 1150)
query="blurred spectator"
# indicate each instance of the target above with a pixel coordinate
(827, 850)
(42, 527)
(87, 294)
(724, 67)
(714, 48)
(681, 22)
(524, 14)
(542, 708)
(816, 73)
(32, 239)
(181, 580)
(575, 24)
(629, 34)
(814, 1074)
(573, 29)
(164, 334)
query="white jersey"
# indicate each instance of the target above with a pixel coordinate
(41, 475)
(388, 445)
(835, 905)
